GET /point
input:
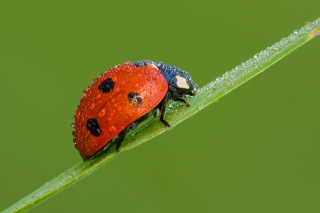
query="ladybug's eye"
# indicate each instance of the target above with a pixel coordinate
(182, 82)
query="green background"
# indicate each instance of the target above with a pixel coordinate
(256, 150)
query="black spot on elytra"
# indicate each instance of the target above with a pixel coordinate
(93, 127)
(106, 85)
(135, 98)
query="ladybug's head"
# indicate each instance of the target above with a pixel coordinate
(180, 82)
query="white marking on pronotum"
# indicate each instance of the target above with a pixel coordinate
(182, 82)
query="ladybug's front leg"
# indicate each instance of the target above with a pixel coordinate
(182, 100)
(163, 106)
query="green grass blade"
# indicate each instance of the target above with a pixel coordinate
(177, 112)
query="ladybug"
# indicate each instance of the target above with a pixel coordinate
(121, 98)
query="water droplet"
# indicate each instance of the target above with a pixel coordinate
(123, 82)
(136, 86)
(119, 108)
(113, 100)
(109, 119)
(112, 129)
(92, 106)
(114, 78)
(117, 89)
(102, 112)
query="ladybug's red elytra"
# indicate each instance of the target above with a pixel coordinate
(121, 98)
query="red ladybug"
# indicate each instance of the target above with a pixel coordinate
(121, 98)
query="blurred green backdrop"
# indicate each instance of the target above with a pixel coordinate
(256, 150)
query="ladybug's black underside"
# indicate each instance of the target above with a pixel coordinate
(174, 92)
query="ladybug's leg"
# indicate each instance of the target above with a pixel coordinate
(124, 132)
(132, 126)
(121, 136)
(155, 113)
(163, 106)
(182, 100)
